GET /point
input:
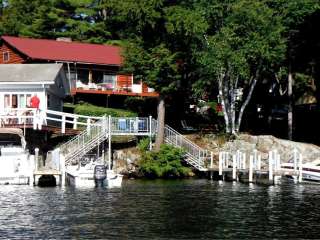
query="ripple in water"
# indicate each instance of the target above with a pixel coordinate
(178, 209)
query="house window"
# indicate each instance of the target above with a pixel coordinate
(14, 101)
(7, 101)
(6, 57)
(109, 80)
(83, 75)
(97, 76)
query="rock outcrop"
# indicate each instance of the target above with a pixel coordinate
(265, 143)
(125, 161)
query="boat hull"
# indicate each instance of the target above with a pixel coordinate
(82, 178)
(309, 172)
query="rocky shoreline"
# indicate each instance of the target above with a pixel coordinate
(126, 159)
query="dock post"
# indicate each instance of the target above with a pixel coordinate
(295, 165)
(226, 161)
(251, 169)
(238, 159)
(234, 167)
(36, 156)
(259, 162)
(32, 167)
(243, 157)
(255, 158)
(220, 164)
(300, 167)
(62, 169)
(270, 166)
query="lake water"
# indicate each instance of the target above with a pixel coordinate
(177, 209)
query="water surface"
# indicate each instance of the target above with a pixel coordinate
(177, 209)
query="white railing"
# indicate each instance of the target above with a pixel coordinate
(97, 130)
(195, 155)
(75, 120)
(135, 125)
(77, 147)
(14, 116)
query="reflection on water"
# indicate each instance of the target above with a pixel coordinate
(188, 209)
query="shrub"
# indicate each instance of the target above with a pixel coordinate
(166, 163)
(92, 110)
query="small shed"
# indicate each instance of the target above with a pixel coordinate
(19, 82)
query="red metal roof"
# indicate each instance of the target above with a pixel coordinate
(53, 50)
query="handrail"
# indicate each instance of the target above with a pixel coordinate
(195, 155)
(85, 141)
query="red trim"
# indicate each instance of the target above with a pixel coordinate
(110, 92)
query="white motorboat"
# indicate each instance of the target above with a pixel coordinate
(16, 164)
(310, 172)
(87, 176)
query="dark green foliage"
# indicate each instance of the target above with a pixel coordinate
(166, 163)
(174, 45)
(91, 110)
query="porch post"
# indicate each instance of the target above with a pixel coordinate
(63, 124)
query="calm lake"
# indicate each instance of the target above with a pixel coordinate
(177, 209)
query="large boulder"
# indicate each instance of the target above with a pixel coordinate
(125, 161)
(265, 143)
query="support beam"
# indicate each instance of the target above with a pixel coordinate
(109, 142)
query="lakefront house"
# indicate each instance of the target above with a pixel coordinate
(89, 68)
(20, 82)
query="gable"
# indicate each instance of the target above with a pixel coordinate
(8, 55)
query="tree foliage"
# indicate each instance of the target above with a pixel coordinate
(247, 42)
(190, 47)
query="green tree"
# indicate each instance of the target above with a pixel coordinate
(246, 42)
(294, 14)
(161, 50)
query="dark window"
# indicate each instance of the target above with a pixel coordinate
(6, 56)
(83, 75)
(14, 101)
(97, 76)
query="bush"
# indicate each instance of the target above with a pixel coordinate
(167, 163)
(92, 110)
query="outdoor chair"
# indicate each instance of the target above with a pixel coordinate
(185, 126)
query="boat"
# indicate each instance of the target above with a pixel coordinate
(310, 172)
(16, 164)
(92, 174)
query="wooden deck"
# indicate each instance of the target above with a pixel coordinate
(112, 92)
(53, 129)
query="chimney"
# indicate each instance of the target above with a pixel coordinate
(64, 39)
